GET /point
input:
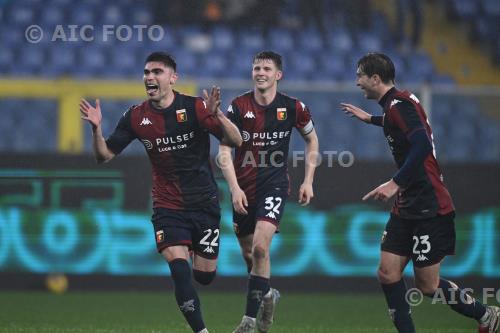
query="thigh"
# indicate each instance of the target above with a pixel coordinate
(203, 264)
(427, 278)
(433, 239)
(206, 233)
(392, 265)
(264, 232)
(172, 228)
(397, 237)
(175, 252)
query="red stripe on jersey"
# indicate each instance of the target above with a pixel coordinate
(442, 195)
(246, 170)
(431, 165)
(397, 119)
(302, 115)
(166, 191)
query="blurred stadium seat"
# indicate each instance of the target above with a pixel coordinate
(224, 51)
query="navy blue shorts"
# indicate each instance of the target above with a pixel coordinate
(426, 241)
(269, 206)
(197, 229)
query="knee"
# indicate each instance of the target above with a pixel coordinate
(204, 278)
(259, 252)
(387, 276)
(427, 288)
(248, 261)
(247, 255)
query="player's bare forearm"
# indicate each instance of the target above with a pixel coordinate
(384, 192)
(102, 153)
(225, 163)
(354, 111)
(231, 134)
(312, 152)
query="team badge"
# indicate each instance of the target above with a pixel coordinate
(181, 115)
(281, 113)
(160, 236)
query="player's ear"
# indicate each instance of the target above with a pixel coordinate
(174, 78)
(279, 75)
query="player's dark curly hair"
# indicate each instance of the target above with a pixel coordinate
(269, 55)
(164, 58)
(378, 63)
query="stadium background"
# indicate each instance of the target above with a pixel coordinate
(60, 212)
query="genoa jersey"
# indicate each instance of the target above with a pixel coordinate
(261, 161)
(177, 142)
(426, 195)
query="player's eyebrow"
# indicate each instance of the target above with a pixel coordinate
(156, 70)
(267, 68)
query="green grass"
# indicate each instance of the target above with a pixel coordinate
(108, 312)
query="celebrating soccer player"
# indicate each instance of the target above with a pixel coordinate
(174, 130)
(258, 179)
(421, 226)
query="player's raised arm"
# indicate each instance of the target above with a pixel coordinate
(94, 117)
(225, 163)
(230, 134)
(362, 115)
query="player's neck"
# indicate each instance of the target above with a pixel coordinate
(265, 97)
(165, 102)
(383, 90)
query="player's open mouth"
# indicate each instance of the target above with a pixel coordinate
(151, 88)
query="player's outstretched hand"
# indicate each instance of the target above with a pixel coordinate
(240, 202)
(384, 192)
(91, 114)
(354, 111)
(213, 100)
(305, 194)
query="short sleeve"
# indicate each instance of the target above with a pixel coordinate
(404, 115)
(122, 135)
(303, 122)
(207, 121)
(233, 114)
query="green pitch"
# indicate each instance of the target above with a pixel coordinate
(108, 312)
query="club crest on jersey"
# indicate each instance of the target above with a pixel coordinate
(281, 113)
(160, 236)
(181, 115)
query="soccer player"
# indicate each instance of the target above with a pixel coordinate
(174, 129)
(258, 179)
(421, 226)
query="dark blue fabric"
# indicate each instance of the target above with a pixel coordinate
(185, 294)
(399, 309)
(455, 299)
(258, 286)
(377, 120)
(420, 147)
